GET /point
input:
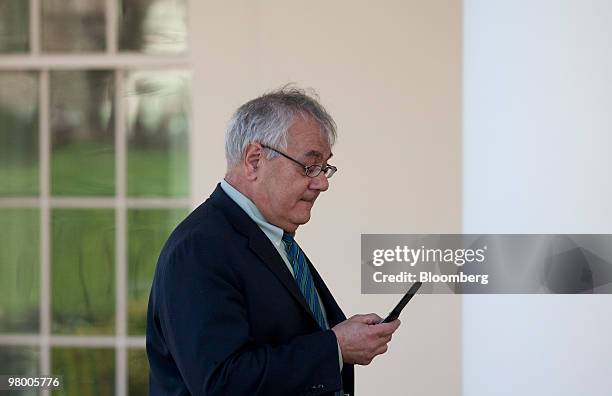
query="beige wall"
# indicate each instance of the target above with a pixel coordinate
(390, 74)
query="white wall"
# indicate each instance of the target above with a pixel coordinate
(537, 138)
(390, 74)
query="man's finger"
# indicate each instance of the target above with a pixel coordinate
(371, 318)
(387, 328)
(386, 339)
(380, 350)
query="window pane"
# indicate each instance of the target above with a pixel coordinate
(19, 360)
(19, 270)
(18, 133)
(138, 372)
(158, 128)
(73, 25)
(82, 132)
(83, 271)
(14, 25)
(148, 229)
(153, 26)
(86, 371)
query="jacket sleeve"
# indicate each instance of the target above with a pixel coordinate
(204, 321)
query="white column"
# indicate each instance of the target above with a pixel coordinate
(537, 141)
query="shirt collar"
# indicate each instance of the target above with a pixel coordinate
(274, 233)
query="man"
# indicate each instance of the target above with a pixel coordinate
(236, 307)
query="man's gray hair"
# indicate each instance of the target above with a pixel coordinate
(267, 119)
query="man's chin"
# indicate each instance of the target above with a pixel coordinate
(302, 219)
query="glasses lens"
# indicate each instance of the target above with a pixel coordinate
(313, 171)
(329, 172)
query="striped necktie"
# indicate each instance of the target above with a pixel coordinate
(303, 278)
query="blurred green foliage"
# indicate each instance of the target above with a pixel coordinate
(18, 154)
(153, 172)
(82, 137)
(22, 360)
(19, 270)
(138, 372)
(158, 108)
(19, 360)
(82, 109)
(83, 271)
(14, 26)
(18, 133)
(83, 169)
(148, 229)
(86, 371)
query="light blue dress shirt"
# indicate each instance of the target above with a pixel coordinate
(274, 234)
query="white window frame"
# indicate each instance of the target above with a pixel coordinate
(35, 60)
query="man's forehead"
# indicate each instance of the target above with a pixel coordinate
(316, 154)
(308, 140)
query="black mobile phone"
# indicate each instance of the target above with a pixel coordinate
(402, 303)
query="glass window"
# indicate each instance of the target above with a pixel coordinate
(138, 372)
(158, 128)
(14, 26)
(18, 133)
(83, 271)
(86, 371)
(82, 133)
(19, 270)
(20, 360)
(73, 25)
(153, 26)
(69, 222)
(148, 229)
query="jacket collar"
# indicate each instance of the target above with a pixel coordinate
(258, 243)
(267, 253)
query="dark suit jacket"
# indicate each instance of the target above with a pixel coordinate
(227, 318)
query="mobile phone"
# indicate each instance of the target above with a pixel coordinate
(402, 303)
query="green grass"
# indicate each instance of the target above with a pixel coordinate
(19, 136)
(86, 371)
(19, 179)
(148, 229)
(83, 249)
(83, 271)
(138, 372)
(83, 169)
(83, 260)
(21, 361)
(88, 169)
(19, 270)
(158, 172)
(83, 257)
(14, 26)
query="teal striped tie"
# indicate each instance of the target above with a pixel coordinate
(303, 278)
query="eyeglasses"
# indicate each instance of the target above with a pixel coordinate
(309, 170)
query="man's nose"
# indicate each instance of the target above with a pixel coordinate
(320, 182)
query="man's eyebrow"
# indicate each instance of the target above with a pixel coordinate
(316, 154)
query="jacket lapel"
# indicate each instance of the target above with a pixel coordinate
(259, 244)
(264, 249)
(334, 313)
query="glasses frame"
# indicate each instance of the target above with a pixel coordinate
(309, 170)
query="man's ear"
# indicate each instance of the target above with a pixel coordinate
(253, 156)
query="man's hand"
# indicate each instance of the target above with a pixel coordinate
(361, 338)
